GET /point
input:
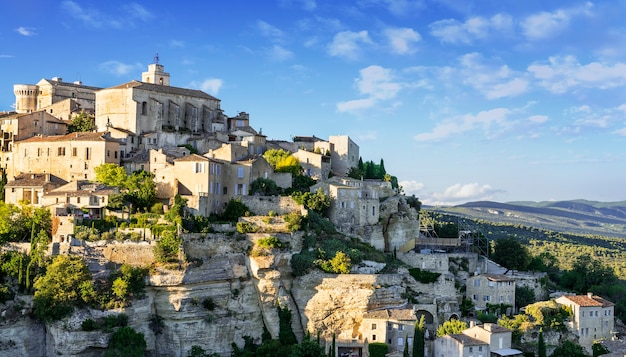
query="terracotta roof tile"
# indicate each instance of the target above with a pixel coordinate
(466, 340)
(82, 136)
(165, 89)
(589, 301)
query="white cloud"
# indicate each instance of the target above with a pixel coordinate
(621, 132)
(26, 31)
(538, 119)
(401, 40)
(210, 85)
(278, 53)
(398, 7)
(561, 74)
(461, 193)
(269, 31)
(6, 56)
(130, 14)
(492, 81)
(622, 108)
(474, 28)
(460, 124)
(411, 187)
(375, 82)
(369, 136)
(347, 44)
(118, 68)
(548, 24)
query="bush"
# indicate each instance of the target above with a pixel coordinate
(339, 264)
(424, 276)
(234, 210)
(89, 325)
(246, 227)
(378, 349)
(303, 262)
(157, 208)
(167, 248)
(269, 243)
(126, 342)
(293, 220)
(208, 303)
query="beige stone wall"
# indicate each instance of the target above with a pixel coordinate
(479, 289)
(262, 205)
(345, 154)
(65, 159)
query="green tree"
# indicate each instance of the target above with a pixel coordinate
(111, 175)
(510, 253)
(451, 327)
(419, 337)
(586, 273)
(568, 349)
(234, 210)
(598, 349)
(67, 282)
(524, 295)
(285, 332)
(167, 247)
(307, 348)
(264, 187)
(541, 345)
(83, 122)
(126, 342)
(274, 156)
(3, 182)
(406, 353)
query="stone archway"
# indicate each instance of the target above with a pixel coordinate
(428, 317)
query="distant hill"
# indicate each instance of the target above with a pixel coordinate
(576, 216)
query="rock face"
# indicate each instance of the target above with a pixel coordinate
(243, 290)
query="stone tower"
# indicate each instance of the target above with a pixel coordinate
(156, 74)
(25, 97)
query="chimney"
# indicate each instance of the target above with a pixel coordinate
(47, 176)
(78, 83)
(590, 295)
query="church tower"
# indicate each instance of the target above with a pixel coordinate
(156, 74)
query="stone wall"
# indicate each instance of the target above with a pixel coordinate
(262, 205)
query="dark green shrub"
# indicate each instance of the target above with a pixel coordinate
(89, 325)
(208, 303)
(378, 349)
(246, 227)
(126, 342)
(303, 262)
(423, 276)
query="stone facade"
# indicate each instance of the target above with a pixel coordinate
(477, 341)
(390, 326)
(345, 154)
(491, 289)
(70, 157)
(31, 98)
(594, 318)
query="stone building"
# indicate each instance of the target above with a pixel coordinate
(492, 289)
(345, 154)
(314, 164)
(594, 318)
(158, 114)
(34, 97)
(70, 157)
(31, 188)
(390, 326)
(201, 181)
(488, 340)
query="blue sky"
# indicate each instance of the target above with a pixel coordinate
(465, 100)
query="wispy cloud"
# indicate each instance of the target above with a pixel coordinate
(492, 81)
(474, 28)
(377, 84)
(26, 31)
(6, 56)
(458, 125)
(278, 53)
(347, 44)
(209, 85)
(411, 187)
(402, 40)
(128, 17)
(398, 8)
(548, 24)
(561, 74)
(118, 68)
(269, 31)
(461, 193)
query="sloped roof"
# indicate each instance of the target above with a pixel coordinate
(56, 83)
(79, 136)
(391, 314)
(466, 340)
(34, 180)
(164, 89)
(588, 301)
(497, 277)
(83, 188)
(192, 157)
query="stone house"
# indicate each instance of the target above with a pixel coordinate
(353, 202)
(390, 326)
(345, 154)
(315, 165)
(594, 317)
(493, 289)
(30, 187)
(201, 181)
(488, 340)
(70, 157)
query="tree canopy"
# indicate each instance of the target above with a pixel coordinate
(283, 161)
(510, 253)
(451, 327)
(83, 122)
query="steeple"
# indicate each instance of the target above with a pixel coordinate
(156, 73)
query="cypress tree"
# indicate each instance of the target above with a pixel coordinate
(418, 338)
(541, 346)
(406, 347)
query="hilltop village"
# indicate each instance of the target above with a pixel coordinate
(222, 291)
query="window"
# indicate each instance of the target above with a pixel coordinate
(225, 190)
(108, 153)
(373, 326)
(373, 337)
(199, 167)
(486, 298)
(400, 341)
(115, 154)
(240, 172)
(61, 151)
(144, 108)
(74, 151)
(400, 327)
(77, 199)
(475, 297)
(476, 282)
(87, 153)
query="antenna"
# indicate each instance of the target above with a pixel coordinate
(156, 57)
